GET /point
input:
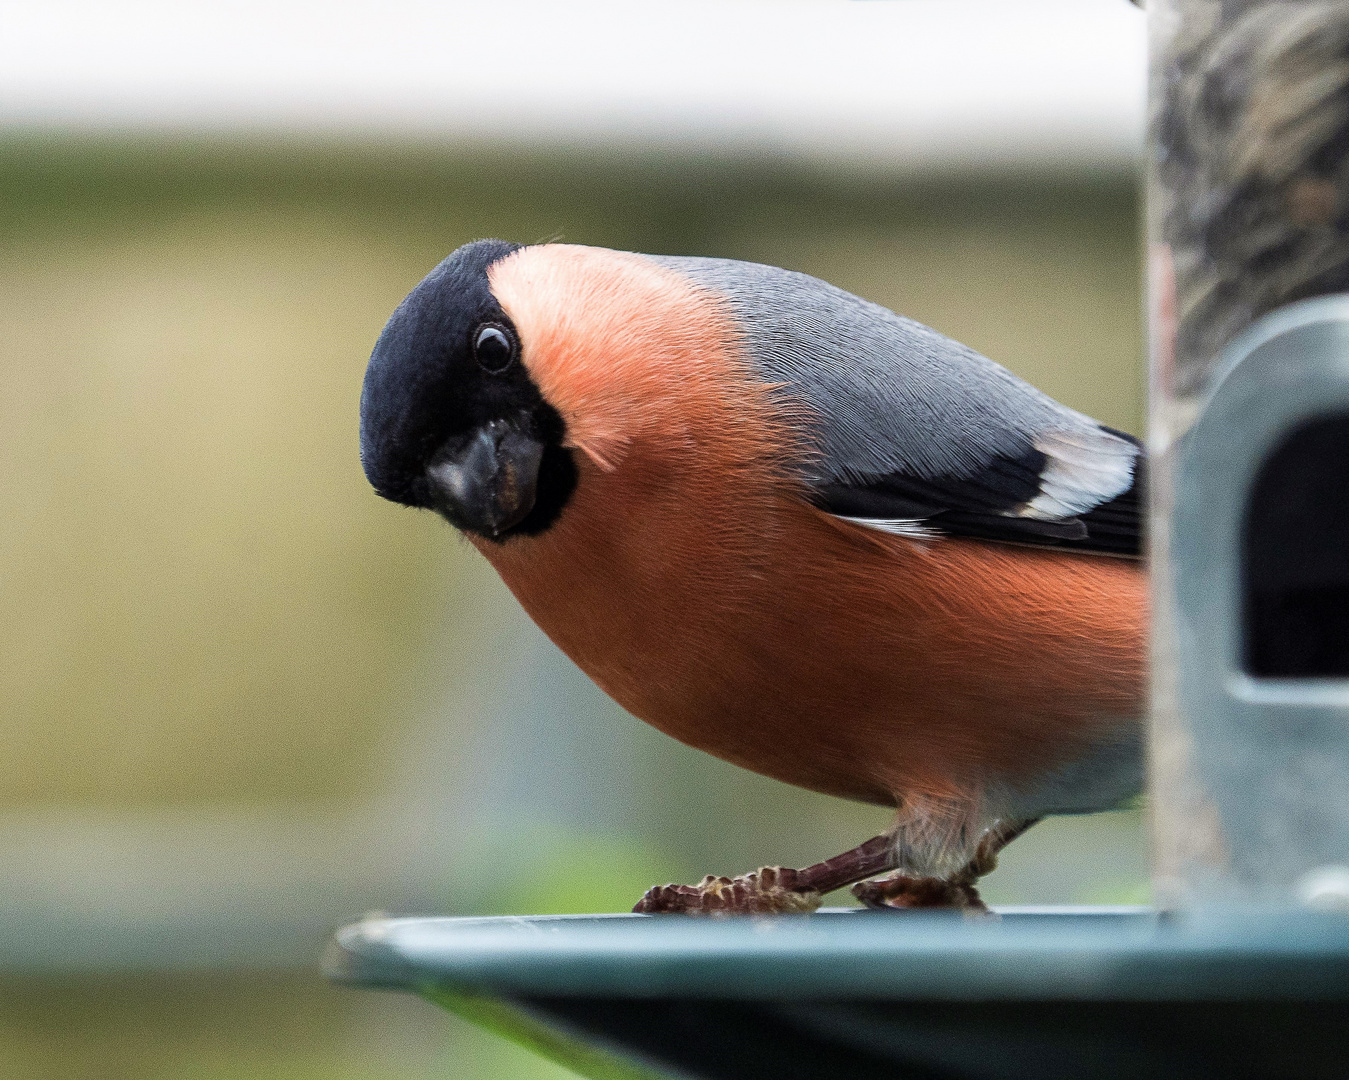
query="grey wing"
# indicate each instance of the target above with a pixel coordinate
(920, 435)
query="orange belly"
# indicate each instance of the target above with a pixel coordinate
(759, 629)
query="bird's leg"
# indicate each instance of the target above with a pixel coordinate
(773, 889)
(956, 892)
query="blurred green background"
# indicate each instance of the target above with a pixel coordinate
(244, 699)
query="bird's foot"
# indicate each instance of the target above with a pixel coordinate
(770, 890)
(900, 891)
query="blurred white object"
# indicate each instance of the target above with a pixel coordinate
(1325, 889)
(912, 83)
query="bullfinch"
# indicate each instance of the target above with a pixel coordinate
(790, 528)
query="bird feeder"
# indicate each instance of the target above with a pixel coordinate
(1243, 969)
(1257, 586)
(1249, 446)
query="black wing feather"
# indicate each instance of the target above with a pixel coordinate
(979, 505)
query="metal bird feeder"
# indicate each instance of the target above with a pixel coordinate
(1258, 583)
(1054, 995)
(1243, 971)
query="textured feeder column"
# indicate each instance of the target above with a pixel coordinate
(1248, 213)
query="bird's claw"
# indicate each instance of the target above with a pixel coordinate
(770, 890)
(899, 891)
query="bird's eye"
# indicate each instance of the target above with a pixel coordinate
(493, 348)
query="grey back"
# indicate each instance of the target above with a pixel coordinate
(890, 394)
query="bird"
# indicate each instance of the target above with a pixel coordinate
(793, 529)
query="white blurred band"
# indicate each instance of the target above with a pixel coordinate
(899, 82)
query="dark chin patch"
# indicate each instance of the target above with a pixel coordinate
(557, 481)
(424, 388)
(557, 478)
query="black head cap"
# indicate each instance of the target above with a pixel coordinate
(435, 383)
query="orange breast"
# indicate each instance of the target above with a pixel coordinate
(868, 668)
(692, 581)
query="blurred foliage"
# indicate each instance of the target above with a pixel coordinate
(201, 600)
(240, 1027)
(576, 873)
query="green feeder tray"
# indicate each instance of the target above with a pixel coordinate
(1043, 993)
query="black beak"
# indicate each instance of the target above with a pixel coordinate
(488, 483)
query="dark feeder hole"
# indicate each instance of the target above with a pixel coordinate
(1295, 557)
